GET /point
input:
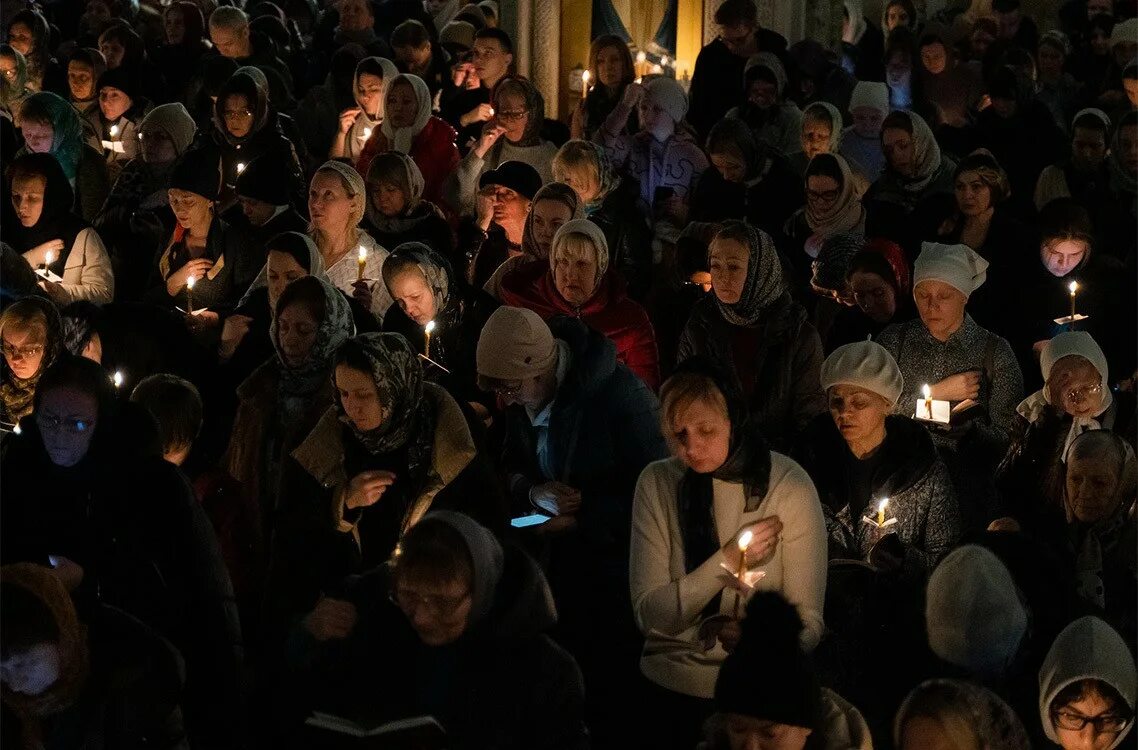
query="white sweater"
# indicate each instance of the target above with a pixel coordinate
(667, 602)
(87, 273)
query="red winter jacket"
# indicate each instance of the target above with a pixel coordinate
(610, 311)
(432, 150)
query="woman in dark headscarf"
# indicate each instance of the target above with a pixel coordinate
(356, 124)
(396, 211)
(427, 291)
(390, 449)
(84, 68)
(50, 236)
(725, 500)
(610, 200)
(30, 35)
(49, 124)
(610, 71)
(184, 46)
(281, 401)
(752, 329)
(30, 330)
(749, 180)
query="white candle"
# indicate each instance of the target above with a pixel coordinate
(744, 542)
(118, 378)
(428, 330)
(928, 394)
(1074, 289)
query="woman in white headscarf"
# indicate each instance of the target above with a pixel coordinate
(410, 128)
(357, 123)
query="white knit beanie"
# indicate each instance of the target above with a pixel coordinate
(973, 613)
(669, 95)
(959, 266)
(865, 364)
(872, 94)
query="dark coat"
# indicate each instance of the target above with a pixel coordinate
(908, 472)
(431, 228)
(317, 541)
(766, 203)
(628, 237)
(503, 684)
(718, 75)
(782, 380)
(1023, 144)
(146, 546)
(221, 292)
(132, 696)
(453, 344)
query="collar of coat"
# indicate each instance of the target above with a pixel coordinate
(452, 450)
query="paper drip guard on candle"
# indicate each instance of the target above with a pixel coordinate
(880, 522)
(1074, 317)
(44, 273)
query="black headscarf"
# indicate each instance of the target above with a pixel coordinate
(56, 222)
(748, 463)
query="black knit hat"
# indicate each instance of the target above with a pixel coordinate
(197, 172)
(515, 175)
(119, 78)
(266, 179)
(768, 676)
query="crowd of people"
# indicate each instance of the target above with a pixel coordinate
(791, 406)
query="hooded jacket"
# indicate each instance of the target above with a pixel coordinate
(609, 311)
(1087, 649)
(906, 470)
(503, 684)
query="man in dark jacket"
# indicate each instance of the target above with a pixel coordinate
(579, 430)
(719, 66)
(455, 629)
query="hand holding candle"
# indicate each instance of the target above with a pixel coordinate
(362, 263)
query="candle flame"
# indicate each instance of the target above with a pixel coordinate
(745, 539)
(430, 327)
(585, 76)
(491, 111)
(664, 60)
(118, 378)
(190, 283)
(367, 133)
(1074, 287)
(881, 506)
(240, 167)
(641, 57)
(927, 391)
(363, 254)
(17, 430)
(48, 258)
(114, 130)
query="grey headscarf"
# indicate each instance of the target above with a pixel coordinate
(765, 282)
(336, 326)
(487, 555)
(554, 191)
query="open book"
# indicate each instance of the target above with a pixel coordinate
(415, 733)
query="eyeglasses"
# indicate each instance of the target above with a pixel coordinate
(1105, 724)
(507, 390)
(21, 352)
(237, 114)
(72, 425)
(436, 606)
(823, 195)
(511, 116)
(1087, 391)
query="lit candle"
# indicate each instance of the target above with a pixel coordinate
(240, 167)
(1074, 289)
(428, 330)
(360, 263)
(48, 259)
(491, 111)
(190, 294)
(881, 506)
(366, 135)
(744, 542)
(118, 378)
(641, 63)
(664, 61)
(928, 393)
(114, 131)
(585, 75)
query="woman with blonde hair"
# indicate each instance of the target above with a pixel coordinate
(960, 715)
(337, 199)
(31, 337)
(610, 71)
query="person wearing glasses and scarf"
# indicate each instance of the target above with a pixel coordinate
(31, 335)
(454, 627)
(391, 448)
(513, 134)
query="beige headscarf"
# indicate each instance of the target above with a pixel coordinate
(847, 214)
